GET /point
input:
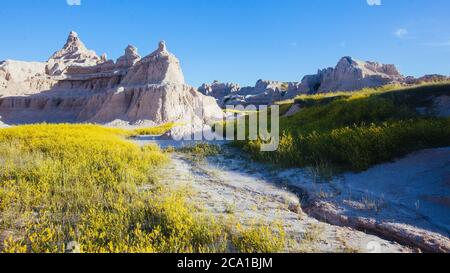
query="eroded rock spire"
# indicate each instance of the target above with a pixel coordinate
(162, 46)
(130, 57)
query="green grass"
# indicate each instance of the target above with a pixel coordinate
(155, 131)
(353, 131)
(239, 111)
(201, 150)
(324, 98)
(88, 184)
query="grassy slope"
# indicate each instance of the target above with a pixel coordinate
(354, 131)
(83, 183)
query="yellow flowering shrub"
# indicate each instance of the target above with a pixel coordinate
(260, 239)
(85, 185)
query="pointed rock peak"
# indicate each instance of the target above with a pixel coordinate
(346, 61)
(72, 38)
(74, 52)
(162, 46)
(74, 49)
(73, 34)
(130, 48)
(161, 51)
(74, 42)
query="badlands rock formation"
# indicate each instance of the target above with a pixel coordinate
(264, 92)
(348, 75)
(75, 85)
(222, 92)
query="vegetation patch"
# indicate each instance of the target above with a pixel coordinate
(260, 239)
(155, 131)
(353, 131)
(201, 150)
(85, 187)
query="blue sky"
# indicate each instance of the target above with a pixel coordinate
(239, 40)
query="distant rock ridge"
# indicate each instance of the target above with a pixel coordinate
(220, 91)
(75, 85)
(431, 78)
(348, 75)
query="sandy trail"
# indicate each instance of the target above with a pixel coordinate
(249, 197)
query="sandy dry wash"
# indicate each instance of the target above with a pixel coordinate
(406, 201)
(227, 189)
(404, 204)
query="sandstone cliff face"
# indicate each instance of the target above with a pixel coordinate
(75, 85)
(348, 75)
(169, 102)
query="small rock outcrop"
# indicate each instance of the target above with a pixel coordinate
(441, 106)
(264, 92)
(218, 89)
(76, 85)
(222, 92)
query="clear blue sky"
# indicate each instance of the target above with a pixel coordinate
(239, 40)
